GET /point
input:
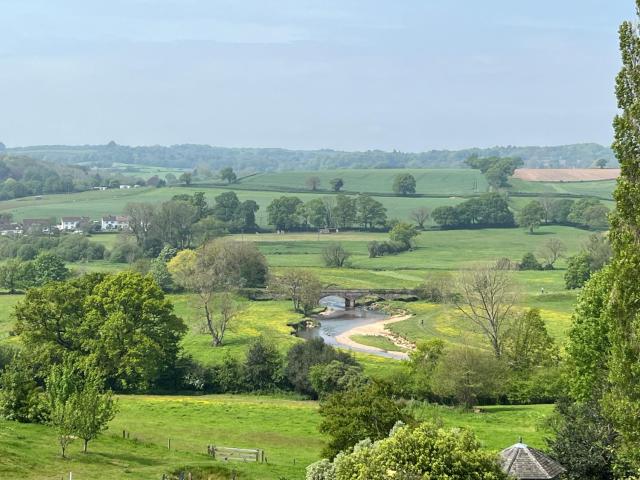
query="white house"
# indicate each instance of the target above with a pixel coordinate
(71, 224)
(114, 222)
(125, 187)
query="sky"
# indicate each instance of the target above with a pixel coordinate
(410, 75)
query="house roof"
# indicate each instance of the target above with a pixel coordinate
(36, 221)
(74, 219)
(527, 463)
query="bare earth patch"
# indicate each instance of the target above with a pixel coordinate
(566, 174)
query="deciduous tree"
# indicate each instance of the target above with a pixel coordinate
(420, 215)
(486, 299)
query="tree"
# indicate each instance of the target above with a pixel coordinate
(161, 275)
(334, 255)
(344, 211)
(336, 184)
(60, 387)
(247, 212)
(486, 299)
(262, 366)
(228, 175)
(315, 212)
(601, 162)
(301, 286)
(596, 216)
(121, 325)
(142, 217)
(226, 206)
(584, 440)
(202, 273)
(425, 451)
(531, 215)
(186, 178)
(528, 344)
(12, 275)
(420, 215)
(176, 218)
(468, 374)
(580, 207)
(171, 179)
(92, 409)
(578, 271)
(598, 248)
(335, 376)
(313, 183)
(19, 393)
(496, 170)
(423, 362)
(351, 416)
(283, 213)
(529, 262)
(551, 251)
(49, 268)
(622, 403)
(404, 184)
(370, 212)
(560, 210)
(404, 233)
(302, 357)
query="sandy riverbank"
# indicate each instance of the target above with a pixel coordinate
(376, 328)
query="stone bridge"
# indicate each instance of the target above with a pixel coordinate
(350, 295)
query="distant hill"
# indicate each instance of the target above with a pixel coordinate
(276, 159)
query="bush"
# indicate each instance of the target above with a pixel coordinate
(262, 366)
(436, 289)
(334, 255)
(529, 262)
(335, 376)
(578, 271)
(303, 356)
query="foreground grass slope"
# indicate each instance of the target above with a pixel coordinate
(285, 428)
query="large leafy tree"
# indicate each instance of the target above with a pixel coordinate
(404, 184)
(283, 213)
(121, 325)
(531, 216)
(370, 212)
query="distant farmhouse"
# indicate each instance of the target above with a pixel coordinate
(72, 224)
(36, 225)
(110, 223)
(10, 229)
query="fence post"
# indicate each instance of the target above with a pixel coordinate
(169, 443)
(124, 434)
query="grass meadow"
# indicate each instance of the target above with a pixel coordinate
(285, 428)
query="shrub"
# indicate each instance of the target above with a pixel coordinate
(303, 356)
(529, 262)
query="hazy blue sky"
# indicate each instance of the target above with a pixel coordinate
(347, 74)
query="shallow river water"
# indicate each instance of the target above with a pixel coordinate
(338, 320)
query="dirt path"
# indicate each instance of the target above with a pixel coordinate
(377, 328)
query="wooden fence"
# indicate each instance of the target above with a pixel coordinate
(239, 454)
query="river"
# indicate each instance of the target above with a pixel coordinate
(336, 321)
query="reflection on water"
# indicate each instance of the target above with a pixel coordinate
(339, 321)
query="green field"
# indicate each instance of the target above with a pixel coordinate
(285, 428)
(442, 181)
(447, 184)
(95, 203)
